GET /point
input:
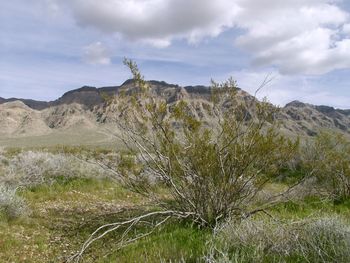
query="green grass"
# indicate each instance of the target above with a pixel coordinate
(24, 241)
(78, 189)
(172, 243)
(65, 213)
(311, 206)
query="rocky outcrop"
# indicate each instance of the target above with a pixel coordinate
(307, 119)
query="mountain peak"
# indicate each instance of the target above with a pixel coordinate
(82, 89)
(296, 103)
(152, 82)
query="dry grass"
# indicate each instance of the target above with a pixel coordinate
(323, 239)
(31, 168)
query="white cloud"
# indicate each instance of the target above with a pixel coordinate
(158, 21)
(346, 29)
(295, 36)
(96, 54)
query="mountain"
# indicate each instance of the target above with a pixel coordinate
(91, 96)
(16, 118)
(34, 104)
(308, 119)
(85, 109)
(87, 96)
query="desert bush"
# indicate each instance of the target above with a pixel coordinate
(326, 239)
(30, 168)
(3, 162)
(328, 160)
(37, 167)
(211, 171)
(11, 205)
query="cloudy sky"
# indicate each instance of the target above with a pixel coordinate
(48, 47)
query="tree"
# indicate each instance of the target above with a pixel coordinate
(211, 171)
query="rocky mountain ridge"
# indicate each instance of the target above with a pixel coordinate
(92, 96)
(85, 108)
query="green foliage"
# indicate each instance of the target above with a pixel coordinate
(214, 171)
(328, 158)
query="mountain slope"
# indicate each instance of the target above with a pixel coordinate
(308, 119)
(86, 109)
(16, 118)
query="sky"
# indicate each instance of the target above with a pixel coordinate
(48, 47)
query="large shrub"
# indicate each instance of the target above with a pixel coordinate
(210, 171)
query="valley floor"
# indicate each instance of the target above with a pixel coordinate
(60, 200)
(89, 138)
(65, 213)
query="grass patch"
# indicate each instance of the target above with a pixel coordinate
(75, 189)
(311, 206)
(174, 242)
(56, 209)
(65, 213)
(68, 211)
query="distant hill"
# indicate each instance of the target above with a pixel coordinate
(85, 109)
(34, 104)
(91, 96)
(87, 95)
(308, 118)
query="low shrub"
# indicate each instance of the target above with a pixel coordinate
(327, 159)
(31, 168)
(11, 205)
(320, 240)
